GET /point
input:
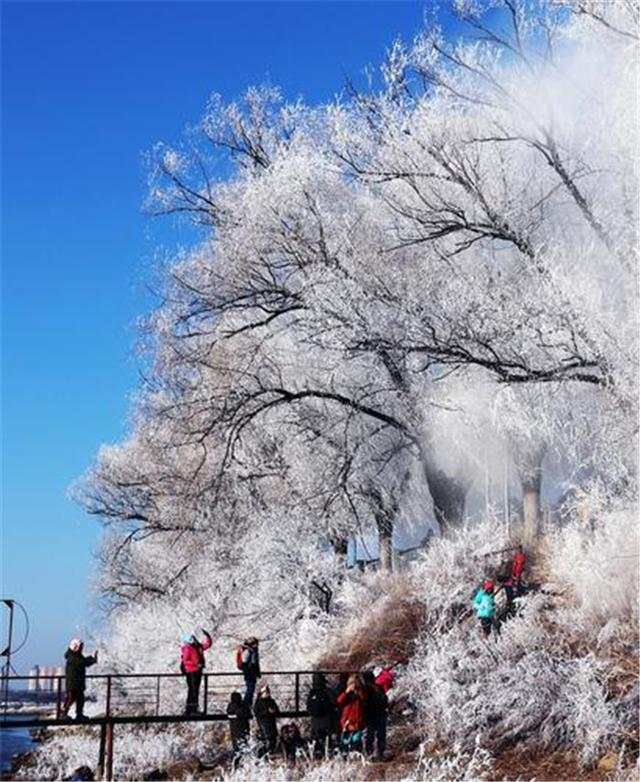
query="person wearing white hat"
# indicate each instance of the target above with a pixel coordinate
(75, 671)
(191, 665)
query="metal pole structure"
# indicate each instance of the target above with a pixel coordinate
(101, 753)
(59, 697)
(109, 750)
(7, 653)
(297, 692)
(206, 693)
(157, 695)
(108, 704)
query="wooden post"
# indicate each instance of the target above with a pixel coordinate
(297, 691)
(206, 693)
(109, 751)
(101, 753)
(59, 698)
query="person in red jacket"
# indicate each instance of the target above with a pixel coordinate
(385, 677)
(191, 665)
(513, 585)
(351, 703)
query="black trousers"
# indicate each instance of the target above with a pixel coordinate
(193, 691)
(77, 697)
(376, 732)
(322, 740)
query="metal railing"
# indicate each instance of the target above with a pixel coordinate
(164, 694)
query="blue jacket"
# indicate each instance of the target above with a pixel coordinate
(484, 604)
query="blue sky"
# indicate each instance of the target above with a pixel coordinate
(87, 88)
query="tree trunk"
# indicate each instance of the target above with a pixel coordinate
(385, 542)
(530, 469)
(448, 496)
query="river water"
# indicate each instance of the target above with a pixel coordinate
(12, 741)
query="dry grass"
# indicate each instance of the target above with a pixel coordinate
(386, 633)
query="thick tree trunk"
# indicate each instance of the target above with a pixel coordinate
(385, 542)
(530, 469)
(448, 496)
(531, 510)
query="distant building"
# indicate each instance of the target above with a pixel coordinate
(45, 678)
(34, 682)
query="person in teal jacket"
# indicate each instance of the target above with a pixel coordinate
(485, 607)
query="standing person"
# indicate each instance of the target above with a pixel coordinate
(238, 715)
(76, 674)
(267, 712)
(376, 708)
(352, 715)
(517, 568)
(339, 687)
(485, 607)
(322, 710)
(249, 664)
(513, 583)
(191, 665)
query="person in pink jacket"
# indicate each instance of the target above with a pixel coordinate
(191, 665)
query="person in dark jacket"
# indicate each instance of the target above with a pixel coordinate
(321, 707)
(76, 673)
(250, 668)
(376, 709)
(267, 712)
(239, 716)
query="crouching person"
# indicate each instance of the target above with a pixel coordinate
(290, 741)
(238, 715)
(267, 712)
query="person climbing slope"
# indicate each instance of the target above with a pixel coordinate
(485, 607)
(76, 676)
(513, 583)
(238, 715)
(322, 711)
(191, 665)
(267, 712)
(248, 661)
(352, 715)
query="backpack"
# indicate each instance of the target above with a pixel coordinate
(319, 703)
(239, 660)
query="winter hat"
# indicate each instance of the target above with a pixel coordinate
(377, 671)
(75, 644)
(187, 638)
(488, 586)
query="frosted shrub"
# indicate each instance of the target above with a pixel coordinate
(601, 567)
(138, 751)
(457, 764)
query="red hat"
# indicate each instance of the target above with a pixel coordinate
(488, 586)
